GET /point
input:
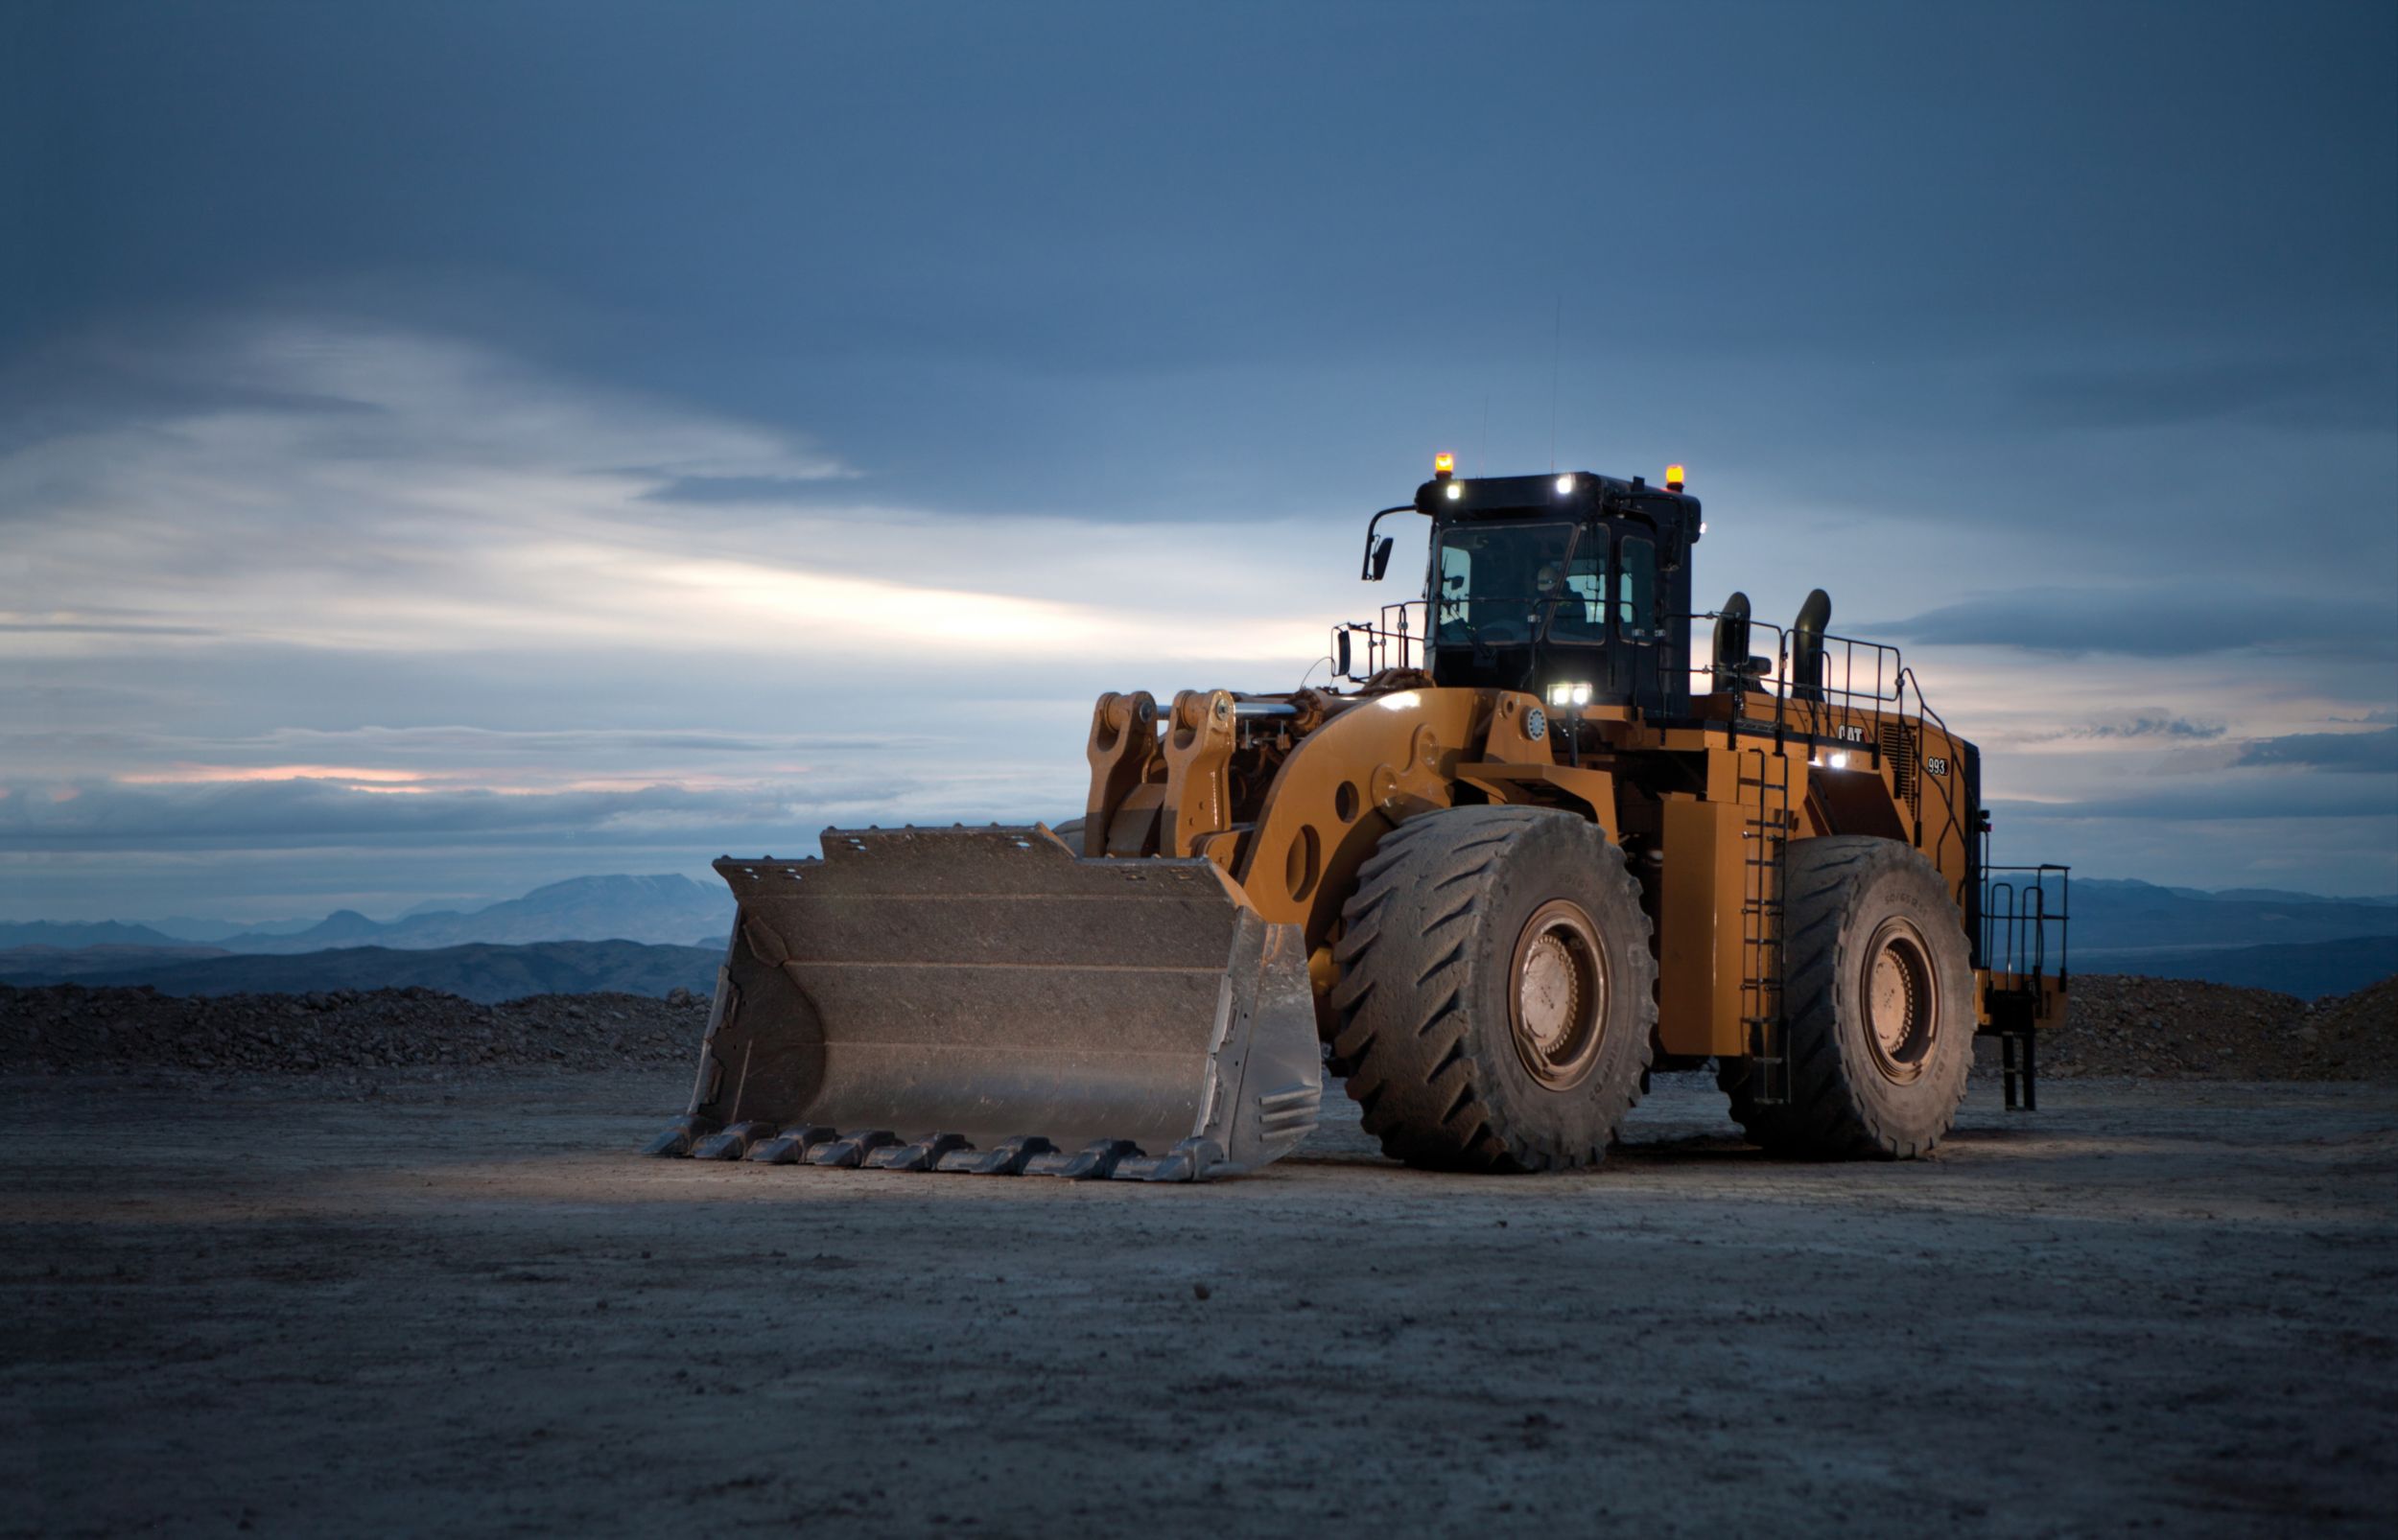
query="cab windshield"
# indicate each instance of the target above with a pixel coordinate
(1500, 585)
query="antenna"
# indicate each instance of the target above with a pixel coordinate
(1557, 343)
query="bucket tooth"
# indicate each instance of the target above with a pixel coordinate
(1291, 1112)
(681, 1134)
(1006, 1158)
(792, 1145)
(1189, 1160)
(1094, 1161)
(731, 1143)
(922, 1155)
(852, 1148)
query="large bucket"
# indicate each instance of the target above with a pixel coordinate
(986, 1000)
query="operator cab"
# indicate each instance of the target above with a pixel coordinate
(1572, 587)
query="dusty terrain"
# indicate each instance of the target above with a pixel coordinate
(449, 1299)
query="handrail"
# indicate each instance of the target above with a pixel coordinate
(2017, 919)
(1844, 658)
(1390, 644)
(1867, 678)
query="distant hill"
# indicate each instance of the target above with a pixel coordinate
(2114, 915)
(666, 909)
(2383, 900)
(209, 932)
(481, 973)
(2308, 969)
(80, 962)
(95, 933)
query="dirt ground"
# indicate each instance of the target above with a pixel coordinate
(458, 1304)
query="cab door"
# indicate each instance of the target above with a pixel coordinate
(1637, 660)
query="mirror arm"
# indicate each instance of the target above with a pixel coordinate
(1365, 568)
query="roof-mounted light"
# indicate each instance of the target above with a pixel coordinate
(1673, 479)
(1456, 490)
(1444, 466)
(1565, 484)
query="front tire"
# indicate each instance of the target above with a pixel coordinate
(1498, 993)
(1878, 989)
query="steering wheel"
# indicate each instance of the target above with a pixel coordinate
(1498, 633)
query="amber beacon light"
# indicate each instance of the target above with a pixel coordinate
(1444, 466)
(1673, 479)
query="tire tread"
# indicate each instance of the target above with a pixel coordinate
(1824, 1118)
(1415, 976)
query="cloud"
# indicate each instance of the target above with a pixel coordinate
(2317, 392)
(2374, 753)
(338, 811)
(2223, 799)
(2155, 621)
(2155, 722)
(371, 600)
(736, 489)
(462, 501)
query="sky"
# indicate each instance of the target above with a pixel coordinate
(449, 448)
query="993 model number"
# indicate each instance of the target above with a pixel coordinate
(1936, 764)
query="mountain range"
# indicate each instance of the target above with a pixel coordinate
(669, 930)
(2113, 915)
(666, 909)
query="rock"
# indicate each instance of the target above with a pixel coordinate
(69, 1029)
(2118, 1025)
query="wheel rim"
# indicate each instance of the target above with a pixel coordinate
(1557, 995)
(1901, 1003)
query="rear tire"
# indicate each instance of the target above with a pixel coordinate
(1498, 993)
(1878, 988)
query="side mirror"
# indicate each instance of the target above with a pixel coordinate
(1340, 648)
(1381, 562)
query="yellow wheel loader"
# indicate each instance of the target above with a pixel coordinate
(1531, 851)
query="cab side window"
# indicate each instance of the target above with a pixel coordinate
(1637, 588)
(1449, 610)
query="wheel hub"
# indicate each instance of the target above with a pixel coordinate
(1549, 995)
(1901, 1004)
(1557, 1006)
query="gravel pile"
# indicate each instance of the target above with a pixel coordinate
(2141, 1027)
(2182, 1029)
(67, 1028)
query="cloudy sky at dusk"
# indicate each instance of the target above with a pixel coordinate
(450, 448)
